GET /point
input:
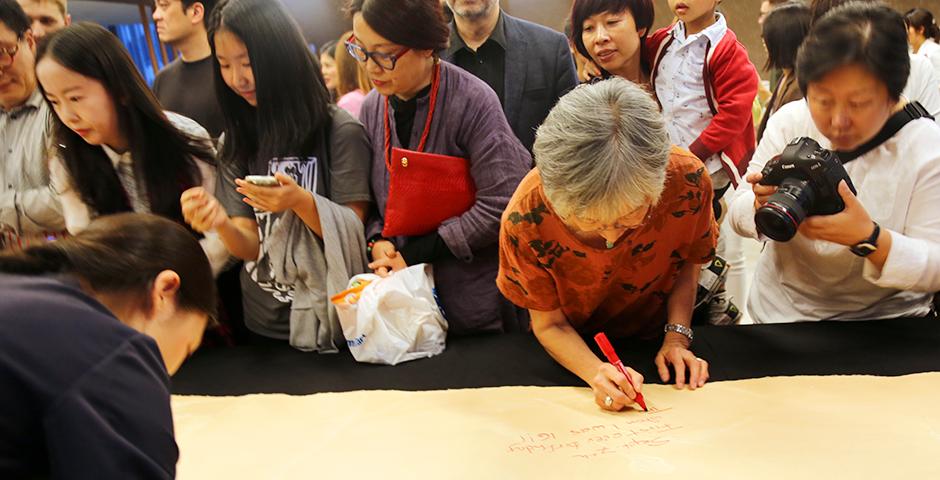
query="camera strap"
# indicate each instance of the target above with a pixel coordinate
(912, 111)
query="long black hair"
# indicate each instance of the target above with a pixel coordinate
(161, 152)
(123, 254)
(783, 31)
(293, 102)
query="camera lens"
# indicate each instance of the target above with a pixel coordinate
(785, 210)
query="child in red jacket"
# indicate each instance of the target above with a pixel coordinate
(706, 85)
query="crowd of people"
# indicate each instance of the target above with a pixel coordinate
(614, 171)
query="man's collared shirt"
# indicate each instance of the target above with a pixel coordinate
(488, 63)
(27, 203)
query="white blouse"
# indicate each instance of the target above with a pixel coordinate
(78, 214)
(923, 85)
(899, 185)
(930, 50)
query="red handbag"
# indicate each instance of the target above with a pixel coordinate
(424, 188)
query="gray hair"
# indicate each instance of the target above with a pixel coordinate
(603, 150)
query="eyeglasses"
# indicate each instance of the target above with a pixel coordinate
(10, 53)
(588, 226)
(384, 60)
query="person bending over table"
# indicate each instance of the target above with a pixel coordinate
(91, 327)
(879, 257)
(608, 234)
(117, 149)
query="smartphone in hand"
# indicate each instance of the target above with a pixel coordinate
(262, 180)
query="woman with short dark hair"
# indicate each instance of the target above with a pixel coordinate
(879, 257)
(923, 83)
(91, 327)
(612, 34)
(431, 107)
(783, 31)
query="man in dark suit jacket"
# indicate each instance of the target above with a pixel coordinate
(527, 65)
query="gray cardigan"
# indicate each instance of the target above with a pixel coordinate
(317, 271)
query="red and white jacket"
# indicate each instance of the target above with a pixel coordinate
(731, 83)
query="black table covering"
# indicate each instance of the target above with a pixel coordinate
(878, 347)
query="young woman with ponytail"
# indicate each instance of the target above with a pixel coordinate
(91, 327)
(923, 35)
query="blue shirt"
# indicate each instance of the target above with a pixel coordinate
(83, 395)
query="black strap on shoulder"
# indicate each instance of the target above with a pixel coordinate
(912, 111)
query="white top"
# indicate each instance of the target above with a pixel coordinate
(899, 185)
(680, 85)
(78, 214)
(931, 51)
(924, 85)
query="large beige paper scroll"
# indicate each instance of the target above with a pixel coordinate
(785, 427)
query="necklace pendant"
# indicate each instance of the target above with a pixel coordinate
(610, 244)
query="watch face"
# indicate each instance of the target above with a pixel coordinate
(864, 249)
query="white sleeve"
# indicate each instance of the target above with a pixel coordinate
(216, 252)
(219, 256)
(75, 212)
(914, 260)
(777, 135)
(923, 85)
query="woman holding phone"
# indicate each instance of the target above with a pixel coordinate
(279, 123)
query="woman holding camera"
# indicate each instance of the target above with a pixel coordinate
(879, 257)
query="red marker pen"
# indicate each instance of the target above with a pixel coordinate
(612, 357)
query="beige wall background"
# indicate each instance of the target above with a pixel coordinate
(322, 19)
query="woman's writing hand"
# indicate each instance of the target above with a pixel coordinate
(609, 382)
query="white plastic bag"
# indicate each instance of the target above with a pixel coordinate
(393, 319)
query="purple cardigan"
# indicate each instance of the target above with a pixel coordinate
(469, 123)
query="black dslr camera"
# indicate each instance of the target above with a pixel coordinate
(807, 179)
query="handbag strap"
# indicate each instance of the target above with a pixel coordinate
(435, 86)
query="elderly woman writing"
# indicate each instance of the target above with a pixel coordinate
(608, 234)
